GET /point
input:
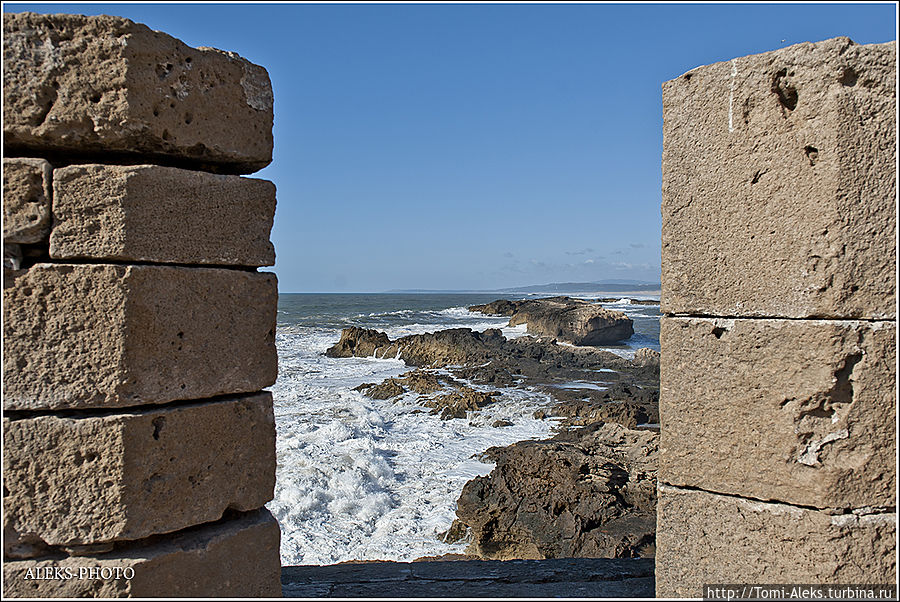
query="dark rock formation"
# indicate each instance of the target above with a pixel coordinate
(459, 403)
(358, 342)
(584, 493)
(389, 388)
(571, 320)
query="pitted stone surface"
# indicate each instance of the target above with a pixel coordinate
(707, 538)
(82, 480)
(108, 85)
(800, 411)
(161, 214)
(779, 185)
(101, 336)
(232, 558)
(26, 200)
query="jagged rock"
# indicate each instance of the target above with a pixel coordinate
(571, 320)
(500, 307)
(425, 381)
(457, 532)
(459, 403)
(358, 342)
(584, 493)
(386, 390)
(501, 423)
(646, 357)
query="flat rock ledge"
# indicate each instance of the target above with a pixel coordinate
(567, 319)
(566, 577)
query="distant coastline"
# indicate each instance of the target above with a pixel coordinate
(606, 286)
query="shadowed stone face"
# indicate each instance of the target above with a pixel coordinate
(237, 557)
(779, 184)
(106, 84)
(26, 200)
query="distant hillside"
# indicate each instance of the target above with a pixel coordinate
(577, 287)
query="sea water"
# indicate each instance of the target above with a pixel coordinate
(365, 479)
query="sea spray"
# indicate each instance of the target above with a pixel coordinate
(364, 479)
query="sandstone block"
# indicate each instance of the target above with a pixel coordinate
(779, 184)
(82, 480)
(800, 411)
(231, 558)
(77, 84)
(161, 214)
(704, 538)
(81, 336)
(26, 200)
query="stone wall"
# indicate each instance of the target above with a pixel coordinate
(139, 447)
(778, 368)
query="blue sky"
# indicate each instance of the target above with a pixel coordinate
(476, 146)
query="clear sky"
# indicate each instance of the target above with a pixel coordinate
(476, 146)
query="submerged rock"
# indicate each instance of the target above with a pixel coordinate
(584, 493)
(570, 320)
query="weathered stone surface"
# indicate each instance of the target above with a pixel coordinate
(26, 200)
(161, 214)
(710, 538)
(232, 558)
(779, 184)
(79, 336)
(106, 84)
(89, 479)
(585, 493)
(799, 411)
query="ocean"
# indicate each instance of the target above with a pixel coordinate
(365, 479)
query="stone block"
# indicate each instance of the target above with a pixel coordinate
(705, 538)
(161, 214)
(102, 336)
(799, 411)
(87, 85)
(82, 479)
(231, 558)
(779, 185)
(26, 200)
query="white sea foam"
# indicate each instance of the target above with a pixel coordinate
(366, 479)
(363, 479)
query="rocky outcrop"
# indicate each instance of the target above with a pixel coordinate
(584, 493)
(358, 342)
(646, 357)
(570, 320)
(459, 403)
(589, 385)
